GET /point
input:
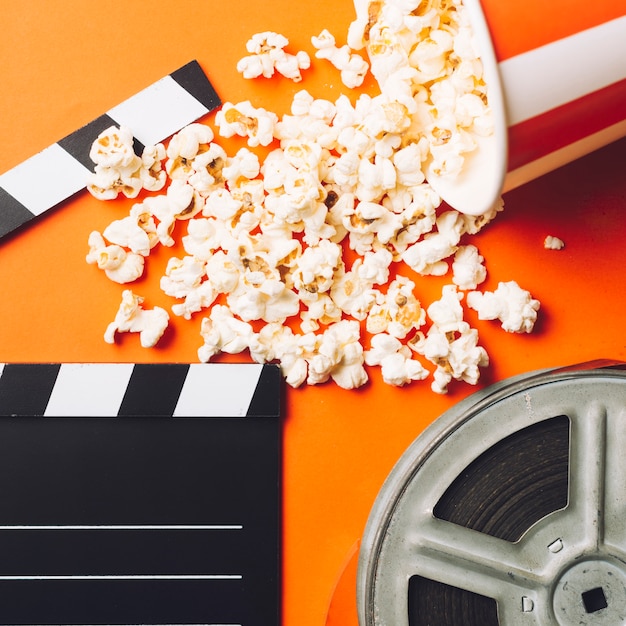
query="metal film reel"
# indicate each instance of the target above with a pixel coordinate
(509, 509)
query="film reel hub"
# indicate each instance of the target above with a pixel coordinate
(592, 591)
(509, 509)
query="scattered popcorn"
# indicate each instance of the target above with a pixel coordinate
(267, 55)
(509, 303)
(292, 256)
(553, 243)
(353, 67)
(133, 318)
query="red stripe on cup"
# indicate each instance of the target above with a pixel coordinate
(564, 125)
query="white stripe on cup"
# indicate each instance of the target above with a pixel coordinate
(552, 75)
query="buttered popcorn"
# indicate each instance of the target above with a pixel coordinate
(312, 256)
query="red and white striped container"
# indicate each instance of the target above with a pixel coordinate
(560, 68)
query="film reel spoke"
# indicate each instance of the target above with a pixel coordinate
(473, 558)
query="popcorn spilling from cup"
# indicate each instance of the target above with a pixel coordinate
(308, 256)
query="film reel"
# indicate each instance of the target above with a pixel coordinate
(509, 509)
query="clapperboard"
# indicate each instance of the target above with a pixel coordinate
(140, 494)
(62, 169)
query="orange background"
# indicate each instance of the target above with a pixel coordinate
(60, 68)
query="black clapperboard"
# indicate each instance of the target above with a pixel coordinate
(140, 494)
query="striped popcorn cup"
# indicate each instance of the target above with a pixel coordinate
(556, 74)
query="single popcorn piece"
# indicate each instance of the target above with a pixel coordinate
(245, 120)
(457, 355)
(153, 176)
(397, 366)
(339, 356)
(398, 312)
(223, 332)
(553, 243)
(468, 270)
(180, 202)
(119, 170)
(119, 265)
(513, 306)
(353, 67)
(428, 256)
(113, 148)
(267, 56)
(133, 318)
(188, 143)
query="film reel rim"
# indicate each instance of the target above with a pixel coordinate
(382, 517)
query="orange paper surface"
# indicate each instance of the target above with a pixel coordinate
(63, 66)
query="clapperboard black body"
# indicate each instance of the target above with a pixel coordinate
(140, 494)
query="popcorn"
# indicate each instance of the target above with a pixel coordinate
(428, 255)
(184, 147)
(428, 56)
(353, 294)
(339, 356)
(553, 243)
(276, 342)
(118, 264)
(456, 356)
(133, 318)
(467, 268)
(244, 120)
(267, 241)
(394, 359)
(180, 202)
(450, 344)
(315, 269)
(113, 149)
(353, 67)
(398, 312)
(513, 306)
(223, 332)
(153, 176)
(130, 233)
(267, 55)
(119, 170)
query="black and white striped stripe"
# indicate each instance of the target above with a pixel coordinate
(126, 389)
(55, 174)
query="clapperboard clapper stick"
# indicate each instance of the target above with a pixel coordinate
(140, 494)
(62, 169)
